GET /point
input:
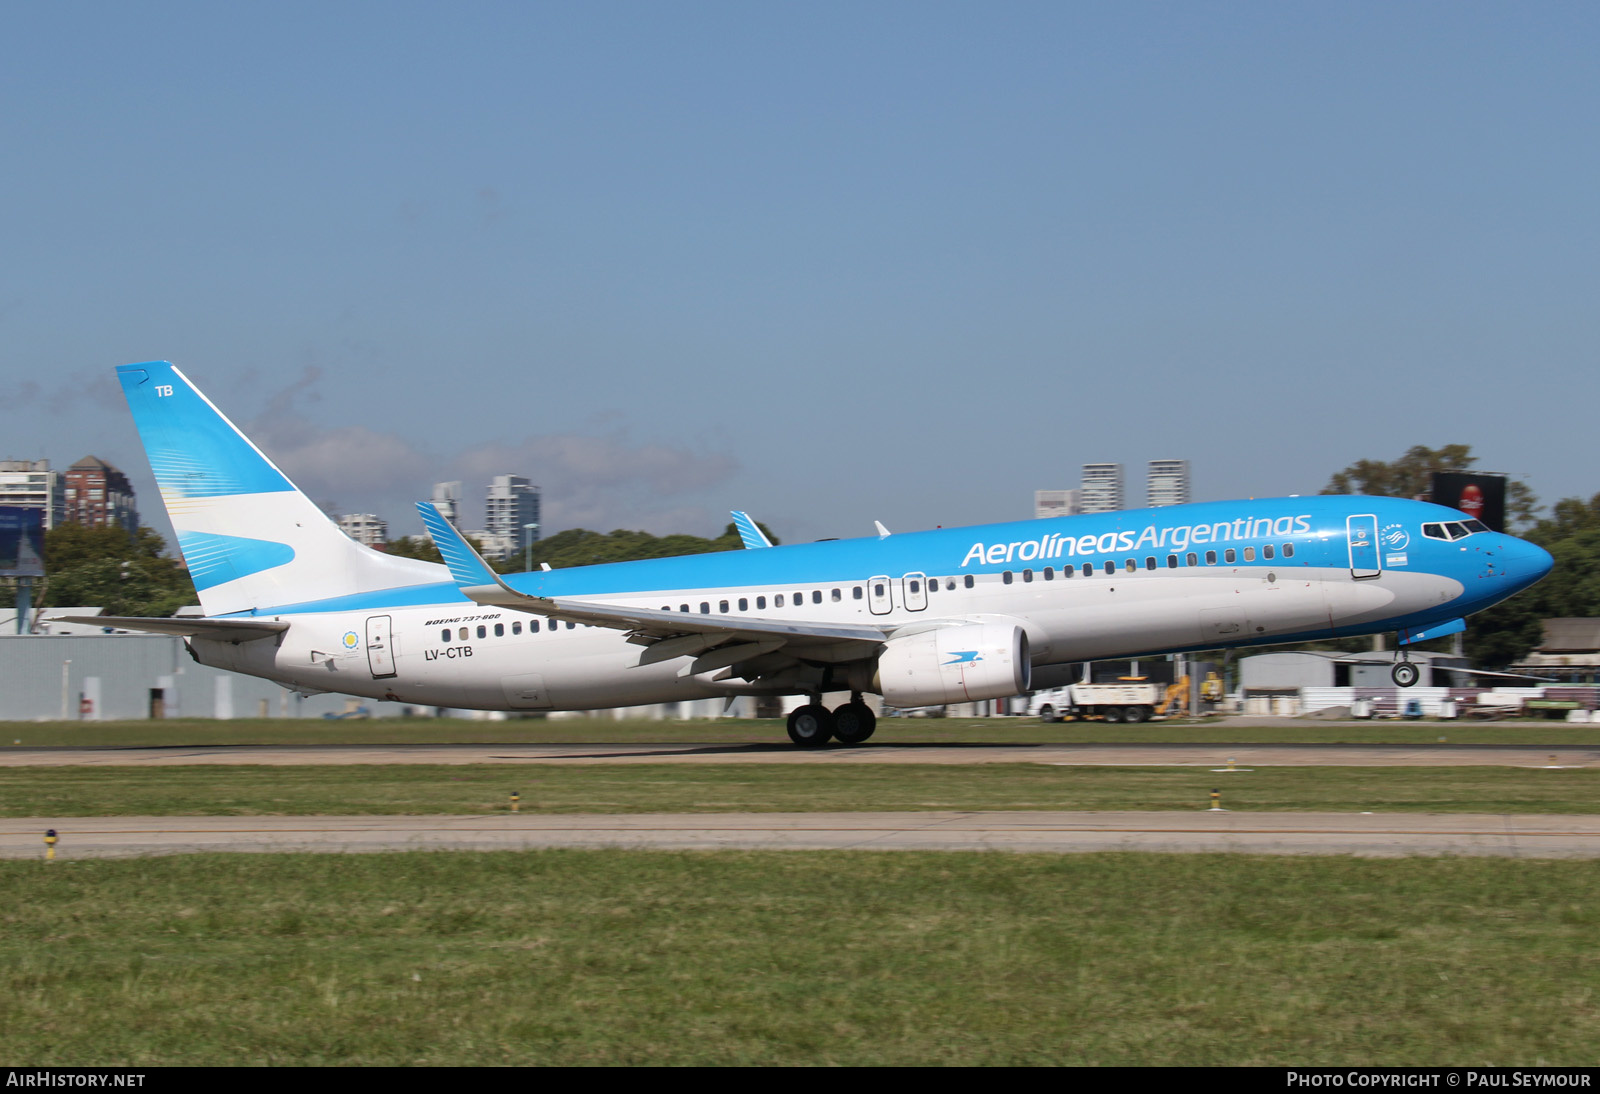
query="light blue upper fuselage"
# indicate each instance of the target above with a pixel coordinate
(1489, 566)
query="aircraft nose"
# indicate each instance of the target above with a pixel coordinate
(1525, 562)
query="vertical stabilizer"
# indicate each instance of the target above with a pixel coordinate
(250, 538)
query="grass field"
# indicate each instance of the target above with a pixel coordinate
(615, 957)
(891, 731)
(236, 790)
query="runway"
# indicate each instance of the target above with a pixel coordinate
(1087, 755)
(1368, 835)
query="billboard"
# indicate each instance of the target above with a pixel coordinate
(21, 541)
(1480, 495)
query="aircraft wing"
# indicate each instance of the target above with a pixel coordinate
(221, 630)
(480, 584)
(749, 531)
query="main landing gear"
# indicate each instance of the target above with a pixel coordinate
(812, 725)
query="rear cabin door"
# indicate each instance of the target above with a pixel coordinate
(1363, 534)
(380, 646)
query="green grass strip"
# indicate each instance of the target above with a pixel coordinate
(619, 957)
(238, 790)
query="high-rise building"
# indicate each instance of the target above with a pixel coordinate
(1102, 487)
(365, 528)
(1057, 503)
(98, 495)
(510, 506)
(32, 485)
(447, 499)
(1167, 483)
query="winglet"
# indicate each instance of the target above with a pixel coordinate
(749, 531)
(883, 533)
(466, 565)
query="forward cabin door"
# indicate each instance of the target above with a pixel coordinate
(380, 646)
(1363, 534)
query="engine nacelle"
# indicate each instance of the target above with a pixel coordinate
(954, 665)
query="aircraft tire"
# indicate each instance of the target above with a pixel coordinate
(853, 723)
(1404, 674)
(810, 726)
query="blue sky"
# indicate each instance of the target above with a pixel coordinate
(826, 262)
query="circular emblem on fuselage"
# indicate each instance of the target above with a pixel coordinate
(1395, 537)
(351, 640)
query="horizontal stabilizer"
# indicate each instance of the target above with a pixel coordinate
(220, 630)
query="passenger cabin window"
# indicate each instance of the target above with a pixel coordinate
(967, 581)
(1111, 567)
(516, 627)
(1288, 550)
(855, 592)
(483, 632)
(799, 599)
(499, 630)
(1130, 565)
(1230, 555)
(1088, 569)
(1191, 559)
(683, 607)
(1027, 576)
(533, 625)
(761, 603)
(777, 601)
(445, 637)
(570, 625)
(837, 596)
(744, 604)
(1211, 558)
(1249, 554)
(705, 607)
(462, 634)
(1172, 562)
(1266, 552)
(1006, 577)
(816, 596)
(1049, 573)
(1150, 562)
(722, 606)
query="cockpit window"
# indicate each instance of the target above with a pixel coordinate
(1453, 530)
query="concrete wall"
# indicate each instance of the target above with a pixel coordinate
(117, 673)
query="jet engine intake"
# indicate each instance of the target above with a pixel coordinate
(956, 664)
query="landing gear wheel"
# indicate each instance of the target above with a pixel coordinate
(810, 726)
(1405, 674)
(853, 723)
(1135, 715)
(1113, 715)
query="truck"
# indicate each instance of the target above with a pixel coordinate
(1132, 700)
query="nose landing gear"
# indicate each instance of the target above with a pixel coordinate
(1405, 673)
